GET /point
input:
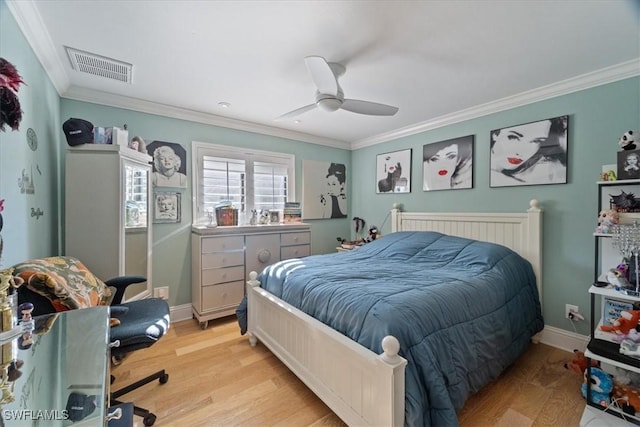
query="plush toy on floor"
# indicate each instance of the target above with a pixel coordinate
(601, 387)
(579, 363)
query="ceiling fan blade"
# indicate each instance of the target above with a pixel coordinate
(322, 75)
(370, 108)
(296, 112)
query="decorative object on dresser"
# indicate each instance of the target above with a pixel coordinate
(222, 258)
(374, 364)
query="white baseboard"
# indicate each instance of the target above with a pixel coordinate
(564, 340)
(180, 312)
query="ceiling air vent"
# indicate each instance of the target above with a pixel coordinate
(98, 65)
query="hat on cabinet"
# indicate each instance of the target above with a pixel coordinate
(78, 131)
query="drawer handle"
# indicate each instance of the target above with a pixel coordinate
(264, 256)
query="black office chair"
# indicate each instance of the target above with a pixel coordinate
(64, 283)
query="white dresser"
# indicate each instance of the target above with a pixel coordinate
(223, 257)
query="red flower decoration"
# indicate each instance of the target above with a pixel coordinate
(10, 80)
(9, 76)
(10, 112)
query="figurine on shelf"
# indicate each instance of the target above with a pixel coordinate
(606, 220)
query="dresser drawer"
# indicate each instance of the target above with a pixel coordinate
(297, 251)
(287, 239)
(222, 259)
(213, 276)
(221, 296)
(221, 244)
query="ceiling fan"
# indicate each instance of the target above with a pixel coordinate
(329, 96)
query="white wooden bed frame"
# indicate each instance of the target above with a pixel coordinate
(360, 386)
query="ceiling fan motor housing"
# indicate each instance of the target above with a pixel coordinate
(329, 103)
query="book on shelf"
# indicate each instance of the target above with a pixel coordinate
(611, 309)
(292, 212)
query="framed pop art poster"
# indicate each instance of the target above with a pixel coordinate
(448, 165)
(393, 172)
(533, 153)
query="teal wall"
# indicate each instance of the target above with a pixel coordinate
(598, 117)
(171, 242)
(25, 236)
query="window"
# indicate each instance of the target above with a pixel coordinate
(248, 179)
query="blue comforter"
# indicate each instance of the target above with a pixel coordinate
(463, 310)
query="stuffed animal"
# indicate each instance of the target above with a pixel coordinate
(601, 387)
(628, 140)
(606, 220)
(622, 325)
(626, 397)
(579, 363)
(264, 217)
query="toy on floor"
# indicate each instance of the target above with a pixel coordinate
(579, 363)
(601, 387)
(622, 325)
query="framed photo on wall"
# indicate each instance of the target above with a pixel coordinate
(324, 190)
(533, 153)
(448, 165)
(169, 164)
(166, 207)
(629, 164)
(393, 172)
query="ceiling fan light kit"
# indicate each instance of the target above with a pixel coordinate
(329, 95)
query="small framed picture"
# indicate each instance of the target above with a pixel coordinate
(629, 164)
(166, 207)
(274, 217)
(393, 172)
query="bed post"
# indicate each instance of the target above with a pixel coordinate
(251, 283)
(534, 233)
(395, 218)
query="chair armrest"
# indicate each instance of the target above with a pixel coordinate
(121, 283)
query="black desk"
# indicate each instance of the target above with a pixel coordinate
(68, 353)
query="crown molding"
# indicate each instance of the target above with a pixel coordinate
(611, 74)
(135, 104)
(28, 19)
(30, 22)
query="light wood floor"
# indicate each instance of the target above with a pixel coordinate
(217, 379)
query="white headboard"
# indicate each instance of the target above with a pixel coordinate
(521, 232)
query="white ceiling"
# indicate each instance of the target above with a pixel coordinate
(438, 61)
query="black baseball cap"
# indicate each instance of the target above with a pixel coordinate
(78, 131)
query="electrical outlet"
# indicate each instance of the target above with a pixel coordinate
(161, 292)
(568, 308)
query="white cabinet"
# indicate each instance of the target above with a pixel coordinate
(601, 346)
(223, 257)
(107, 212)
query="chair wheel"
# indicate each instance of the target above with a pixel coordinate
(116, 360)
(163, 379)
(149, 420)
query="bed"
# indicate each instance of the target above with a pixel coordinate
(414, 323)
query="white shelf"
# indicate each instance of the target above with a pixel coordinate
(612, 293)
(591, 355)
(593, 417)
(620, 182)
